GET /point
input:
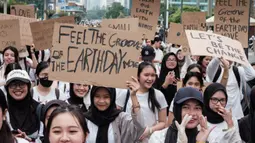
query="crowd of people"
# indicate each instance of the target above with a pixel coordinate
(172, 99)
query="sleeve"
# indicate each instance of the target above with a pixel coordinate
(29, 62)
(130, 126)
(247, 72)
(144, 43)
(187, 63)
(121, 97)
(171, 108)
(232, 136)
(161, 99)
(211, 69)
(158, 136)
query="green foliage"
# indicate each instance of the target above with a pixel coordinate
(176, 17)
(96, 14)
(116, 10)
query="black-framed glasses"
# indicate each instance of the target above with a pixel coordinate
(14, 85)
(216, 100)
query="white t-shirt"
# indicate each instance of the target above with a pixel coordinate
(51, 96)
(91, 138)
(121, 95)
(21, 140)
(159, 54)
(149, 118)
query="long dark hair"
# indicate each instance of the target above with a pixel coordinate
(14, 50)
(5, 131)
(192, 66)
(152, 97)
(41, 66)
(10, 67)
(74, 111)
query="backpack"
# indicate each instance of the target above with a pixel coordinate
(245, 101)
(56, 91)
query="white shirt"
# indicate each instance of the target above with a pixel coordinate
(91, 138)
(149, 118)
(21, 140)
(51, 96)
(159, 54)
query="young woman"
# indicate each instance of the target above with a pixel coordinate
(192, 79)
(181, 59)
(78, 95)
(152, 102)
(195, 68)
(66, 124)
(215, 101)
(169, 75)
(44, 92)
(10, 55)
(108, 124)
(46, 111)
(204, 61)
(188, 102)
(22, 108)
(6, 135)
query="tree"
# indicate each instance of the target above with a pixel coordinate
(176, 17)
(115, 10)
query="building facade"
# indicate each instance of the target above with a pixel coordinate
(203, 4)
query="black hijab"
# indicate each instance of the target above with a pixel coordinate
(171, 89)
(183, 95)
(252, 115)
(212, 116)
(23, 113)
(102, 118)
(75, 100)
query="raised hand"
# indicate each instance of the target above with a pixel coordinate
(182, 137)
(227, 116)
(133, 85)
(205, 131)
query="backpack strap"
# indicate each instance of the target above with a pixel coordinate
(57, 93)
(237, 75)
(217, 75)
(126, 100)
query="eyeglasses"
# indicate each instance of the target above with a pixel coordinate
(216, 100)
(16, 84)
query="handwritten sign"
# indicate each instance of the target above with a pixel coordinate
(9, 34)
(95, 56)
(194, 21)
(148, 12)
(123, 24)
(209, 44)
(25, 31)
(177, 36)
(23, 10)
(231, 19)
(42, 31)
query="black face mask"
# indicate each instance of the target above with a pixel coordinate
(45, 82)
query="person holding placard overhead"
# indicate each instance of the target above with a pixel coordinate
(237, 76)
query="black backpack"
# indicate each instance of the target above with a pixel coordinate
(245, 101)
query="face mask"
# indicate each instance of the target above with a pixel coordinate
(45, 82)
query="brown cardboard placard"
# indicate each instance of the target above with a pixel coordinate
(42, 31)
(23, 10)
(194, 21)
(209, 44)
(231, 19)
(25, 31)
(96, 56)
(148, 13)
(123, 24)
(9, 34)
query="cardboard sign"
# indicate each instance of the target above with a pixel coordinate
(9, 34)
(25, 31)
(148, 13)
(177, 36)
(209, 44)
(95, 56)
(231, 19)
(194, 21)
(42, 31)
(124, 24)
(23, 10)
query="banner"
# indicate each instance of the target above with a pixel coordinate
(209, 44)
(231, 19)
(23, 10)
(9, 34)
(123, 24)
(148, 13)
(42, 31)
(194, 21)
(94, 56)
(25, 31)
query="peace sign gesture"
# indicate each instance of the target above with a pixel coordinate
(205, 131)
